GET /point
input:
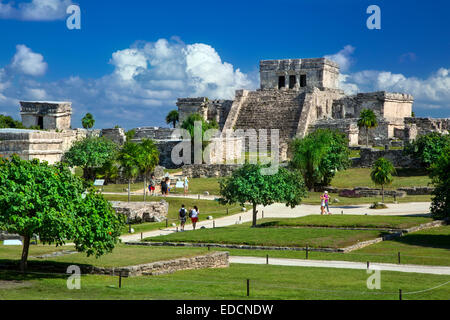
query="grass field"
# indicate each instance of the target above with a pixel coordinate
(289, 237)
(426, 247)
(360, 177)
(314, 198)
(266, 282)
(348, 221)
(122, 255)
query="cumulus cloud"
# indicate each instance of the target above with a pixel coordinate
(36, 10)
(343, 58)
(28, 62)
(147, 79)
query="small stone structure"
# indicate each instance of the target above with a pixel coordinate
(47, 115)
(211, 170)
(138, 212)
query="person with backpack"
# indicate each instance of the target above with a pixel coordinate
(164, 187)
(182, 214)
(193, 214)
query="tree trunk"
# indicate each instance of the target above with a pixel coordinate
(254, 215)
(382, 193)
(129, 189)
(26, 246)
(367, 137)
(145, 187)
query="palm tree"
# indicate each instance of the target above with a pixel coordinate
(367, 119)
(148, 159)
(172, 118)
(128, 159)
(88, 121)
(382, 172)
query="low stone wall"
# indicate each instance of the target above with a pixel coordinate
(212, 260)
(413, 191)
(209, 170)
(374, 192)
(138, 212)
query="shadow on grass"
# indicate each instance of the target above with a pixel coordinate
(36, 270)
(426, 240)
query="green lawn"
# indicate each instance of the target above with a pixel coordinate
(426, 247)
(122, 255)
(266, 282)
(348, 221)
(199, 186)
(206, 207)
(360, 177)
(290, 237)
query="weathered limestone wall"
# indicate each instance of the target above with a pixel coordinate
(319, 72)
(30, 144)
(415, 127)
(368, 156)
(138, 212)
(210, 109)
(209, 170)
(117, 135)
(55, 115)
(347, 126)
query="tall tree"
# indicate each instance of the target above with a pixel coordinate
(91, 154)
(49, 201)
(88, 121)
(440, 174)
(367, 119)
(148, 159)
(381, 173)
(129, 162)
(247, 184)
(319, 156)
(172, 118)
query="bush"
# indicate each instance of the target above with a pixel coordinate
(427, 148)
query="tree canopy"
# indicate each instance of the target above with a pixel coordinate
(319, 156)
(440, 174)
(189, 124)
(367, 119)
(381, 174)
(428, 148)
(88, 121)
(91, 154)
(247, 184)
(172, 118)
(148, 159)
(49, 201)
(128, 158)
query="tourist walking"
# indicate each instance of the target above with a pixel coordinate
(322, 204)
(186, 185)
(182, 214)
(152, 185)
(327, 199)
(193, 214)
(164, 187)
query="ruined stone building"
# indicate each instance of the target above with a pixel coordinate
(298, 96)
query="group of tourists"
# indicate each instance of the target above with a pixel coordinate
(193, 215)
(165, 186)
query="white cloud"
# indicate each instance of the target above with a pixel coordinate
(343, 57)
(28, 62)
(147, 79)
(36, 10)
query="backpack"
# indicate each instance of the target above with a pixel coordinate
(182, 212)
(190, 214)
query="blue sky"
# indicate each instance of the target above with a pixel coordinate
(132, 59)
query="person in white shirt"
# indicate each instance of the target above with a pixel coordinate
(194, 216)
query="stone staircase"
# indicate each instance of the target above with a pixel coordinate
(271, 109)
